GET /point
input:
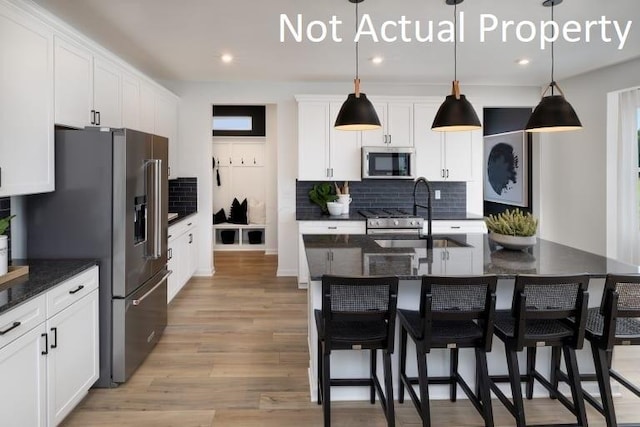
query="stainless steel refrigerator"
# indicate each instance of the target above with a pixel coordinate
(110, 203)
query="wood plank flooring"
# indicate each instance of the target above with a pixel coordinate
(235, 354)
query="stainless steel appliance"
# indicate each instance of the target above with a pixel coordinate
(392, 221)
(110, 203)
(388, 162)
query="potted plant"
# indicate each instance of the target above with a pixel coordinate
(320, 194)
(4, 245)
(512, 229)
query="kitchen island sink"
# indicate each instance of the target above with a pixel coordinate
(420, 243)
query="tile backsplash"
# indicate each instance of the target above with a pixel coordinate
(183, 195)
(390, 193)
(5, 211)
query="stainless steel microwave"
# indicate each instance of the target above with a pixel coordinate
(388, 163)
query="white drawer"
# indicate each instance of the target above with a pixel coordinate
(179, 228)
(332, 227)
(457, 227)
(70, 291)
(21, 319)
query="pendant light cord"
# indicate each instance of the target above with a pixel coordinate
(553, 58)
(455, 41)
(357, 65)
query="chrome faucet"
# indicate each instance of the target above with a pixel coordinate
(429, 235)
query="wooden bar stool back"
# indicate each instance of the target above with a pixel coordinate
(358, 313)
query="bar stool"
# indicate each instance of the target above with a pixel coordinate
(613, 323)
(358, 313)
(455, 312)
(539, 317)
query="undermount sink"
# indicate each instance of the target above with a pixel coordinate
(422, 243)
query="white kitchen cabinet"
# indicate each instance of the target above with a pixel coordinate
(131, 103)
(107, 93)
(166, 124)
(24, 380)
(396, 118)
(26, 105)
(147, 107)
(325, 153)
(182, 256)
(442, 156)
(49, 352)
(73, 79)
(325, 227)
(73, 362)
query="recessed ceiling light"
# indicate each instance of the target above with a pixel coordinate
(377, 60)
(523, 61)
(226, 58)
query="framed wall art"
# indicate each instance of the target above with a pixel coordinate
(505, 168)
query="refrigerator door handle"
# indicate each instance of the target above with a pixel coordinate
(155, 188)
(143, 297)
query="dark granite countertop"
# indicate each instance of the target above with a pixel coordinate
(182, 216)
(472, 254)
(43, 275)
(355, 216)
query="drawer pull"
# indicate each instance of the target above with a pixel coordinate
(46, 344)
(332, 228)
(455, 227)
(10, 328)
(55, 337)
(76, 290)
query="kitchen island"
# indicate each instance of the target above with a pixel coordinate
(461, 254)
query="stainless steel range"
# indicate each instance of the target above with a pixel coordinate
(392, 221)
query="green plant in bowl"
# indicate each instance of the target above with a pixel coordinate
(512, 229)
(4, 224)
(322, 193)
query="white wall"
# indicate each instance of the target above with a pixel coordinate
(572, 193)
(195, 140)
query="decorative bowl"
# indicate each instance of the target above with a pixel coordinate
(335, 208)
(514, 243)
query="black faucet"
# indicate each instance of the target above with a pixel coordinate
(429, 236)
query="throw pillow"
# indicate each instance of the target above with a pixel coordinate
(238, 213)
(219, 217)
(257, 212)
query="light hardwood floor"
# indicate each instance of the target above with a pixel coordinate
(235, 354)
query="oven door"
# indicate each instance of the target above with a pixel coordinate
(400, 264)
(387, 163)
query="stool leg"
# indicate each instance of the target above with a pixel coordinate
(531, 366)
(388, 385)
(373, 366)
(516, 387)
(423, 382)
(601, 362)
(402, 363)
(484, 391)
(576, 388)
(453, 374)
(326, 389)
(319, 362)
(555, 367)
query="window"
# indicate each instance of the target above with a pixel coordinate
(238, 120)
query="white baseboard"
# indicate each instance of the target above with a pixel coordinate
(204, 273)
(271, 252)
(287, 273)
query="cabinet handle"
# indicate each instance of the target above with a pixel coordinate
(242, 160)
(442, 173)
(327, 175)
(389, 139)
(76, 290)
(93, 117)
(98, 118)
(169, 236)
(46, 344)
(189, 224)
(230, 162)
(455, 227)
(169, 254)
(10, 328)
(332, 228)
(55, 337)
(254, 160)
(447, 173)
(190, 238)
(384, 139)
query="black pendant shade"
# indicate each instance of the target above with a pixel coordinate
(357, 113)
(553, 114)
(455, 115)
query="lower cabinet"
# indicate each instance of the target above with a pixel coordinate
(182, 256)
(48, 368)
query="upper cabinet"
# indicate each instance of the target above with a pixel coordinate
(87, 88)
(442, 156)
(325, 153)
(166, 124)
(26, 105)
(396, 118)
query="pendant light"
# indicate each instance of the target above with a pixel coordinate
(553, 113)
(357, 112)
(456, 113)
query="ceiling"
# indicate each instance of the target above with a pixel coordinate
(184, 39)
